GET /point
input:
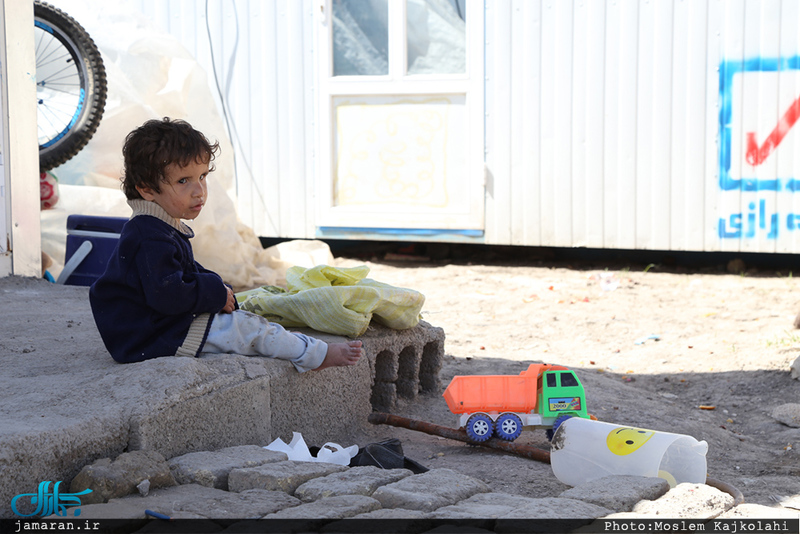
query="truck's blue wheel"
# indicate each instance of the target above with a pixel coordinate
(508, 426)
(560, 419)
(479, 427)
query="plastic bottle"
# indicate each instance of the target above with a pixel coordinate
(584, 450)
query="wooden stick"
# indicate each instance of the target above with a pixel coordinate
(460, 434)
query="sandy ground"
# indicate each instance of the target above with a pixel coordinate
(725, 341)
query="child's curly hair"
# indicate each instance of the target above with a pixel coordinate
(157, 144)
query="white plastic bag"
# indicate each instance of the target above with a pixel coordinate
(297, 450)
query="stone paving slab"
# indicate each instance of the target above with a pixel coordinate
(211, 468)
(439, 494)
(429, 491)
(111, 479)
(483, 505)
(167, 501)
(338, 507)
(354, 481)
(304, 490)
(558, 508)
(506, 506)
(395, 513)
(619, 493)
(284, 476)
(249, 504)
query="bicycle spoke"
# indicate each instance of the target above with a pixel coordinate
(71, 85)
(51, 78)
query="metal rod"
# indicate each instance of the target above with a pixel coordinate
(734, 492)
(519, 449)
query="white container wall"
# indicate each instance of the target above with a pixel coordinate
(625, 124)
(258, 58)
(630, 124)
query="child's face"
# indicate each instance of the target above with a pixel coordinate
(184, 192)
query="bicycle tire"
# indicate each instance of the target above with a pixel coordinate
(71, 85)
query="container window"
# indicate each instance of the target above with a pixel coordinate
(360, 37)
(436, 36)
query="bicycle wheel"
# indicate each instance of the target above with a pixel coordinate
(70, 85)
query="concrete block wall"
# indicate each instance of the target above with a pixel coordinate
(405, 363)
(334, 405)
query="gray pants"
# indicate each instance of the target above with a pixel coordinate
(249, 334)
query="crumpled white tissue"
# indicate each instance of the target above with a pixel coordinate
(297, 450)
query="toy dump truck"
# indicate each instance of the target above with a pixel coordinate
(542, 396)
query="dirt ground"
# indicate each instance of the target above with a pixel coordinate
(724, 342)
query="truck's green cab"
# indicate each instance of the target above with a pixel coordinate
(561, 393)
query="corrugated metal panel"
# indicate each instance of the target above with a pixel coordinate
(609, 124)
(257, 55)
(612, 137)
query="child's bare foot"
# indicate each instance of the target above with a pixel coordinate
(341, 354)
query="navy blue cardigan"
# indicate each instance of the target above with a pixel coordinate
(154, 299)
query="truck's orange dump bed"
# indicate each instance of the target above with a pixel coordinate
(494, 393)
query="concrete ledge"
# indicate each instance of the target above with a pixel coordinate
(65, 407)
(231, 415)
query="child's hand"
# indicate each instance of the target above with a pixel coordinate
(231, 304)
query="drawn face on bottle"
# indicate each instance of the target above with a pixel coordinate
(625, 440)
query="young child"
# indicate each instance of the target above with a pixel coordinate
(154, 299)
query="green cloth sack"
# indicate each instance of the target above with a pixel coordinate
(334, 300)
